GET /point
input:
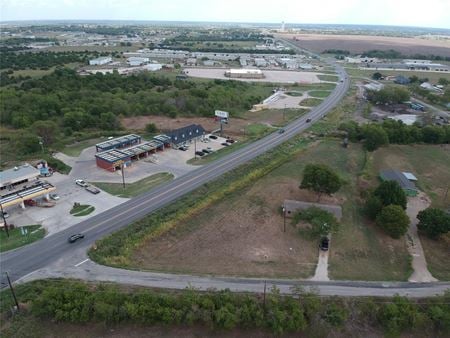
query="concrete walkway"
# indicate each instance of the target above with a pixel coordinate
(419, 264)
(321, 273)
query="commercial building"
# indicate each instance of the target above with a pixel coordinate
(245, 73)
(119, 142)
(26, 193)
(137, 61)
(13, 177)
(113, 159)
(260, 62)
(401, 178)
(100, 61)
(186, 134)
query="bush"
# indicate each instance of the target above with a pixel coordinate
(390, 192)
(373, 206)
(433, 222)
(322, 222)
(393, 220)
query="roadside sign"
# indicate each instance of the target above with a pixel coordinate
(222, 114)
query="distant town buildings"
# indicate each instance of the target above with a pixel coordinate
(245, 73)
(100, 61)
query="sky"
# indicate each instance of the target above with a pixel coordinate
(430, 13)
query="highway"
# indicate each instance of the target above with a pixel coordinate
(23, 261)
(53, 256)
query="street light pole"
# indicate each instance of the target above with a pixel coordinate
(4, 221)
(123, 176)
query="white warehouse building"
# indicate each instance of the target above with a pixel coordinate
(137, 61)
(100, 61)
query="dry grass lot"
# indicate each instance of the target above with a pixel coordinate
(242, 235)
(431, 165)
(361, 43)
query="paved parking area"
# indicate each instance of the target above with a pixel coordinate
(58, 218)
(274, 76)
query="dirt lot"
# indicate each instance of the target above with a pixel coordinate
(361, 43)
(274, 76)
(240, 236)
(243, 235)
(235, 127)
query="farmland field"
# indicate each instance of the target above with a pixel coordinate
(360, 43)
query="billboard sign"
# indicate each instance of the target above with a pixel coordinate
(222, 114)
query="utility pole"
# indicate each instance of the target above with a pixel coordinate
(12, 291)
(123, 175)
(195, 148)
(4, 221)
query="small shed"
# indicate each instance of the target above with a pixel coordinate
(408, 187)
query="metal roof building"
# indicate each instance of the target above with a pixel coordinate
(18, 197)
(112, 159)
(187, 133)
(408, 187)
(17, 175)
(119, 142)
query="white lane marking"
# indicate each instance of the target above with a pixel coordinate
(82, 262)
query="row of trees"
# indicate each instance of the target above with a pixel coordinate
(388, 95)
(78, 303)
(42, 60)
(396, 132)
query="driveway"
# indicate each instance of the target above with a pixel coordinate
(419, 264)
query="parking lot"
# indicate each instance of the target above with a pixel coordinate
(274, 76)
(58, 217)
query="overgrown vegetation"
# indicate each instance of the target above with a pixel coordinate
(395, 132)
(322, 222)
(20, 236)
(77, 302)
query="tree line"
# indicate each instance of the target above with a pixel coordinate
(77, 302)
(374, 135)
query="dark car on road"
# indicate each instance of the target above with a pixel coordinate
(281, 131)
(74, 238)
(324, 243)
(308, 120)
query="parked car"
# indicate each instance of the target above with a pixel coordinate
(81, 183)
(324, 243)
(214, 137)
(230, 140)
(225, 144)
(5, 214)
(183, 148)
(210, 149)
(199, 153)
(281, 131)
(206, 151)
(92, 189)
(74, 238)
(308, 120)
(54, 197)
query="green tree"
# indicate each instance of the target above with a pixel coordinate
(393, 220)
(443, 81)
(321, 179)
(374, 137)
(373, 206)
(151, 128)
(390, 192)
(433, 222)
(48, 130)
(377, 76)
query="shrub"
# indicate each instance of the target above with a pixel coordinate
(433, 222)
(393, 220)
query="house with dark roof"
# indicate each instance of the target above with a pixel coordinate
(406, 184)
(400, 79)
(185, 134)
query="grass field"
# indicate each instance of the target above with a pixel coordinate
(319, 93)
(310, 102)
(431, 165)
(16, 239)
(136, 188)
(432, 76)
(328, 77)
(36, 73)
(82, 210)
